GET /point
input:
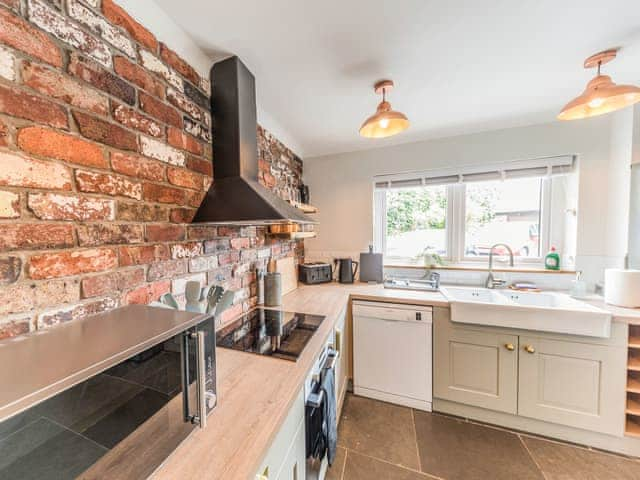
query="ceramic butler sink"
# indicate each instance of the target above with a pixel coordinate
(546, 312)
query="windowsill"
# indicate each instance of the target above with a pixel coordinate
(484, 268)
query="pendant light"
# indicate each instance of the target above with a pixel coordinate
(601, 95)
(385, 122)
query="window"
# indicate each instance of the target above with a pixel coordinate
(458, 217)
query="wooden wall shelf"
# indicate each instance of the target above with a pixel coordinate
(632, 427)
(294, 235)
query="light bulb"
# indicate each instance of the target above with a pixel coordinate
(596, 102)
(384, 122)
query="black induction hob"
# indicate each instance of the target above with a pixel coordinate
(270, 332)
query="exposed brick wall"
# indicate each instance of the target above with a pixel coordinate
(105, 154)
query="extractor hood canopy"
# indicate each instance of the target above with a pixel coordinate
(236, 196)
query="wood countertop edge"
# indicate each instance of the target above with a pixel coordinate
(210, 453)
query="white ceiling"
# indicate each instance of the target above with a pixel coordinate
(460, 66)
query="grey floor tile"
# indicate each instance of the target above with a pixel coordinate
(565, 462)
(457, 450)
(336, 470)
(44, 450)
(380, 430)
(362, 467)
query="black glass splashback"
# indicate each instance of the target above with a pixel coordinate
(270, 332)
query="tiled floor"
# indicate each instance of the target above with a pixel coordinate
(382, 441)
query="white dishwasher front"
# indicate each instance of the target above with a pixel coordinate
(392, 353)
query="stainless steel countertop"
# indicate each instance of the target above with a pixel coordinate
(39, 365)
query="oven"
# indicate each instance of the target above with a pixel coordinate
(121, 422)
(318, 404)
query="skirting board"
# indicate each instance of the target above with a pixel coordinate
(624, 445)
(395, 399)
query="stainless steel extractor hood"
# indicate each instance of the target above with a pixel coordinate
(236, 196)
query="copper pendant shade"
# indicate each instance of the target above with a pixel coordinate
(601, 95)
(385, 122)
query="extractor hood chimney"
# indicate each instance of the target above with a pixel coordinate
(236, 196)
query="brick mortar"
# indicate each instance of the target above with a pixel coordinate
(103, 248)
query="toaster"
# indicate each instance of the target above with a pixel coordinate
(312, 273)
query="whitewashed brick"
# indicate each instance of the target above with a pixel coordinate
(205, 85)
(55, 23)
(9, 205)
(154, 64)
(98, 24)
(203, 264)
(183, 103)
(160, 151)
(186, 250)
(196, 129)
(7, 64)
(179, 285)
(92, 3)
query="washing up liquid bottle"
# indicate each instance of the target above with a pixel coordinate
(552, 260)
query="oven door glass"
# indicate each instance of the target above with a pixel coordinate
(122, 423)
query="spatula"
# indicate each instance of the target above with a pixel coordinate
(192, 296)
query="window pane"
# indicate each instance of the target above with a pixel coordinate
(503, 212)
(416, 222)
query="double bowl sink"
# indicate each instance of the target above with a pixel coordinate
(546, 311)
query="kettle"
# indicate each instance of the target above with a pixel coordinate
(347, 269)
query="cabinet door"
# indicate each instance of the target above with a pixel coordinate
(575, 384)
(476, 368)
(294, 467)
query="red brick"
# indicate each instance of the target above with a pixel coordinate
(240, 243)
(105, 132)
(184, 141)
(160, 110)
(133, 119)
(9, 205)
(200, 165)
(184, 178)
(118, 16)
(169, 269)
(178, 64)
(102, 79)
(165, 233)
(108, 184)
(55, 84)
(10, 269)
(51, 206)
(202, 232)
(181, 215)
(163, 194)
(136, 166)
(24, 105)
(194, 199)
(31, 236)
(140, 255)
(18, 171)
(17, 33)
(228, 258)
(55, 144)
(98, 234)
(138, 75)
(107, 283)
(147, 293)
(63, 264)
(12, 327)
(141, 212)
(185, 104)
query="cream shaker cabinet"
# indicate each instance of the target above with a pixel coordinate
(476, 368)
(574, 384)
(341, 344)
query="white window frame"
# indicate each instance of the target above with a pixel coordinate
(455, 225)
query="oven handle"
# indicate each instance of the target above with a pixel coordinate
(201, 418)
(184, 363)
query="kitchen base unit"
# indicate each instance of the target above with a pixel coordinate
(562, 386)
(392, 353)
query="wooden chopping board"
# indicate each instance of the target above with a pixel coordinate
(287, 269)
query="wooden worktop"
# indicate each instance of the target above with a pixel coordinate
(256, 392)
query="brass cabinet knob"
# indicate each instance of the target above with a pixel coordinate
(529, 349)
(509, 346)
